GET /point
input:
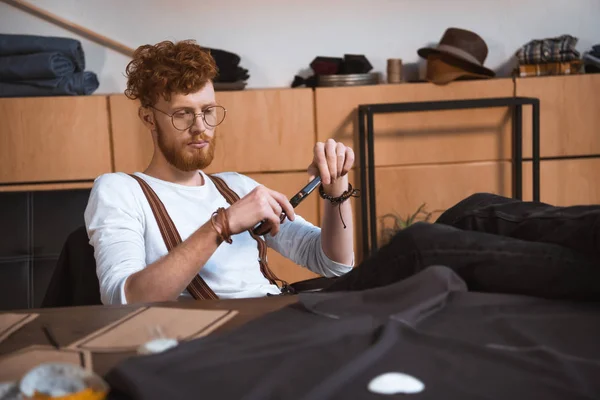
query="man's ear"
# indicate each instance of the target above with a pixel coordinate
(147, 117)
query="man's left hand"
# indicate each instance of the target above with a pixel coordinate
(332, 161)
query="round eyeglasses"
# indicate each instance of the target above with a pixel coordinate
(183, 119)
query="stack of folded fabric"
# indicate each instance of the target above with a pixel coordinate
(591, 60)
(43, 66)
(231, 76)
(551, 56)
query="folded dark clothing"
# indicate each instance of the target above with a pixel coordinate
(224, 58)
(591, 63)
(35, 66)
(232, 75)
(591, 69)
(355, 64)
(80, 83)
(591, 59)
(28, 44)
(557, 49)
(310, 82)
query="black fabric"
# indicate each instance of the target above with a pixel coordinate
(223, 58)
(497, 245)
(312, 284)
(74, 281)
(228, 67)
(232, 75)
(461, 345)
(591, 62)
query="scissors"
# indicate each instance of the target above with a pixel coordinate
(294, 201)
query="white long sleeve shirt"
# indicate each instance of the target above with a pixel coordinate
(125, 236)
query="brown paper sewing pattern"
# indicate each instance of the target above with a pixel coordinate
(10, 323)
(16, 364)
(139, 327)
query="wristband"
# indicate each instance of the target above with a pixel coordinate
(341, 199)
(225, 233)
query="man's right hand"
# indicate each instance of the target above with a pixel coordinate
(261, 204)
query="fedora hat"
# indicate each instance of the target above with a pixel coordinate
(441, 72)
(462, 48)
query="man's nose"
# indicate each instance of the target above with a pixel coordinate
(199, 125)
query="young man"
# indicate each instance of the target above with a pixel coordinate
(173, 82)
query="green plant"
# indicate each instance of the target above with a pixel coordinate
(398, 223)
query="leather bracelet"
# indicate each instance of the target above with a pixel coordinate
(217, 230)
(225, 224)
(224, 233)
(340, 199)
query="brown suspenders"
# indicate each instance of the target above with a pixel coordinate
(231, 198)
(197, 287)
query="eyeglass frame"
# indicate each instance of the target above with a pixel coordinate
(195, 116)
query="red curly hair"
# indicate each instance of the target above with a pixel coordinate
(167, 68)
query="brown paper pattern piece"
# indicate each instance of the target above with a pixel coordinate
(15, 365)
(141, 325)
(10, 323)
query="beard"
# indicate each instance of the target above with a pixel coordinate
(186, 159)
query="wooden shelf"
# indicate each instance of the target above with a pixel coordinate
(569, 114)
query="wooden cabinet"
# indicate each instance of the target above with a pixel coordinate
(289, 184)
(54, 139)
(264, 131)
(569, 114)
(565, 182)
(421, 137)
(132, 141)
(66, 142)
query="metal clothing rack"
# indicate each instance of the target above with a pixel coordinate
(367, 152)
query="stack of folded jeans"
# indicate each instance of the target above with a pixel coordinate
(43, 66)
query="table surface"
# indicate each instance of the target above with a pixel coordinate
(72, 323)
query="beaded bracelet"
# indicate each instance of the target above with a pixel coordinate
(341, 199)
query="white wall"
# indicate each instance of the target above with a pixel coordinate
(279, 38)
